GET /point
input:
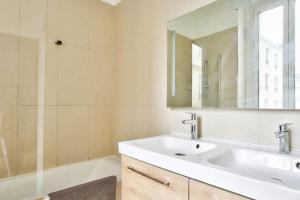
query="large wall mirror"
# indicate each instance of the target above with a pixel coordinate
(236, 54)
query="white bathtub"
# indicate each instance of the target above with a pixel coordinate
(24, 187)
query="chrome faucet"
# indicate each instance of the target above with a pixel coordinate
(284, 138)
(193, 122)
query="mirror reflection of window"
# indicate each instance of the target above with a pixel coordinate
(276, 61)
(267, 56)
(267, 81)
(197, 75)
(297, 53)
(266, 102)
(276, 84)
(271, 29)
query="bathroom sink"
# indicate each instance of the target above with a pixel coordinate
(256, 173)
(276, 168)
(174, 146)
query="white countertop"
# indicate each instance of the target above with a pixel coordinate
(197, 167)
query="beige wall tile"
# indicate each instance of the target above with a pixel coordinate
(3, 170)
(126, 26)
(73, 76)
(32, 18)
(27, 139)
(51, 73)
(74, 22)
(52, 19)
(133, 77)
(239, 126)
(158, 58)
(143, 23)
(50, 137)
(206, 124)
(9, 16)
(125, 90)
(8, 69)
(9, 133)
(73, 128)
(101, 78)
(28, 71)
(9, 45)
(101, 27)
(100, 131)
(131, 122)
(52, 52)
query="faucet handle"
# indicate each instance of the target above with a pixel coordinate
(193, 115)
(284, 126)
(287, 124)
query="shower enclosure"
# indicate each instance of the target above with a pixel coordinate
(56, 73)
(22, 82)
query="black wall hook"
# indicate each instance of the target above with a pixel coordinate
(58, 42)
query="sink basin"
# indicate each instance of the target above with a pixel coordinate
(173, 146)
(276, 168)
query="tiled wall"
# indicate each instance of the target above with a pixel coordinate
(141, 84)
(21, 28)
(78, 81)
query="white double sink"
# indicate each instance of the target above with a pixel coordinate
(252, 171)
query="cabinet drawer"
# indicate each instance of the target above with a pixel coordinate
(141, 181)
(202, 191)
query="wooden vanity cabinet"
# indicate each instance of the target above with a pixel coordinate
(202, 191)
(142, 181)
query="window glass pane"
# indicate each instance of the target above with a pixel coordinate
(271, 29)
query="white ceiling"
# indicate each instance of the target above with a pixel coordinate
(112, 2)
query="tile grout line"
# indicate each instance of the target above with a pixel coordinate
(18, 90)
(57, 86)
(89, 85)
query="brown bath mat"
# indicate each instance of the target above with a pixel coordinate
(102, 189)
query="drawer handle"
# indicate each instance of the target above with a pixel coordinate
(165, 183)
